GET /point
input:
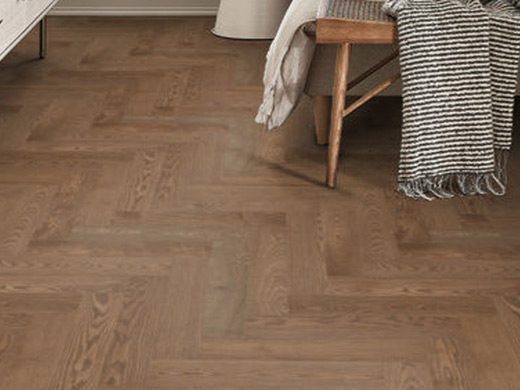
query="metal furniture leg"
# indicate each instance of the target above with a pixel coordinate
(43, 38)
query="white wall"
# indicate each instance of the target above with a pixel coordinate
(136, 7)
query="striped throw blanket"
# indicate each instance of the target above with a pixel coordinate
(459, 61)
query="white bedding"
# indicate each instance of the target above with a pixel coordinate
(288, 63)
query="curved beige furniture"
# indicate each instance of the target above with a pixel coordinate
(250, 19)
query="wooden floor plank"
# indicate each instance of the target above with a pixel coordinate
(152, 236)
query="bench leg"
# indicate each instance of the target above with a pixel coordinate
(43, 38)
(321, 107)
(338, 108)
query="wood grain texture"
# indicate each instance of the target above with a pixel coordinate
(331, 30)
(152, 237)
(341, 77)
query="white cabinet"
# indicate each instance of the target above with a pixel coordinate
(17, 18)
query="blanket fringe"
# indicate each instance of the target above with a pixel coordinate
(460, 184)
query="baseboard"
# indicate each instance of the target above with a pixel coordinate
(134, 11)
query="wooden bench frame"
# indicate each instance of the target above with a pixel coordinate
(346, 33)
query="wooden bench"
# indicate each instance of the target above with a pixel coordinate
(345, 32)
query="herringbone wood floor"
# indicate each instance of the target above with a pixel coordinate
(153, 237)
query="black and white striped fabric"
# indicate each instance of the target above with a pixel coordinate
(459, 63)
(504, 54)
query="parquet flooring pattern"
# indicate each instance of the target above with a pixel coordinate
(153, 237)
